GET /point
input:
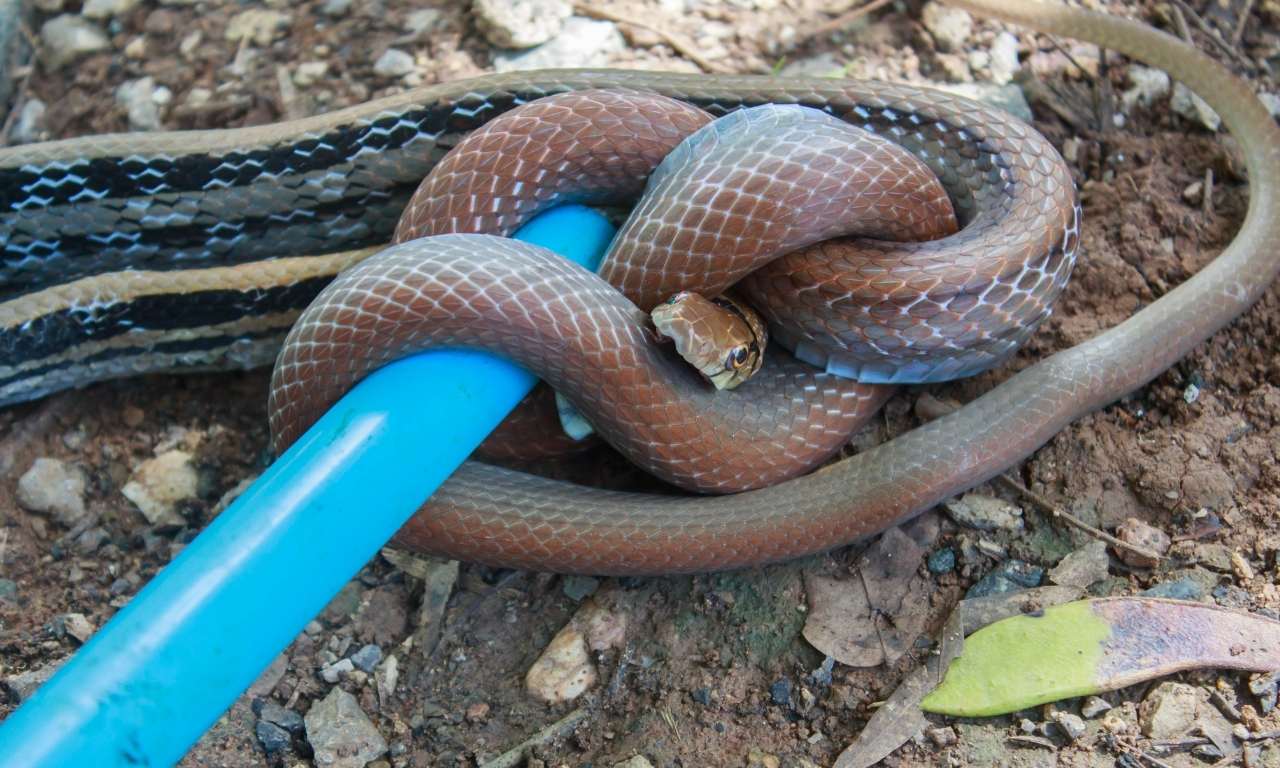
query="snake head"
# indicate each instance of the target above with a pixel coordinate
(722, 338)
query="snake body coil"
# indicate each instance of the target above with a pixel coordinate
(170, 206)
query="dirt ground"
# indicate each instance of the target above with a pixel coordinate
(714, 670)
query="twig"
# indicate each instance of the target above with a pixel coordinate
(519, 753)
(1180, 22)
(1213, 35)
(1060, 49)
(1055, 511)
(1238, 32)
(20, 97)
(1206, 203)
(843, 20)
(679, 44)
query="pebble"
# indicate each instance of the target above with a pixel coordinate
(49, 6)
(56, 488)
(985, 513)
(257, 25)
(8, 590)
(578, 588)
(476, 713)
(1241, 568)
(1082, 567)
(1147, 85)
(1194, 108)
(825, 64)
(280, 716)
(780, 692)
(520, 23)
(308, 72)
(341, 734)
(65, 38)
(638, 761)
(160, 484)
(758, 758)
(422, 20)
(1071, 725)
(23, 684)
(1011, 576)
(393, 63)
(1181, 589)
(385, 678)
(1094, 706)
(367, 657)
(336, 8)
(950, 27)
(78, 626)
(1134, 531)
(337, 670)
(29, 127)
(941, 561)
(564, 670)
(1213, 555)
(141, 99)
(1168, 712)
(942, 737)
(1003, 64)
(106, 9)
(1272, 102)
(272, 737)
(582, 43)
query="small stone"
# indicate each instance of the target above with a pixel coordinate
(1070, 725)
(1272, 102)
(337, 670)
(65, 38)
(49, 6)
(393, 63)
(942, 737)
(941, 561)
(985, 513)
(564, 670)
(1094, 706)
(1147, 85)
(1194, 108)
(1168, 712)
(1213, 555)
(341, 734)
(78, 627)
(1026, 726)
(106, 9)
(476, 713)
(9, 590)
(581, 43)
(367, 657)
(272, 737)
(139, 98)
(308, 72)
(160, 484)
(136, 49)
(1082, 567)
(257, 25)
(421, 20)
(825, 64)
(1011, 576)
(950, 27)
(23, 684)
(336, 8)
(578, 588)
(780, 692)
(385, 678)
(638, 761)
(1134, 531)
(1241, 568)
(29, 126)
(285, 718)
(1003, 64)
(53, 487)
(520, 23)
(758, 758)
(1193, 194)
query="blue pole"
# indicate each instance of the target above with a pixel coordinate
(151, 681)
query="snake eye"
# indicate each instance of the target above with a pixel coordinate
(737, 356)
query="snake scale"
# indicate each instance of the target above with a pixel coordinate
(125, 254)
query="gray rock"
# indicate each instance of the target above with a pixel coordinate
(1147, 85)
(367, 657)
(337, 670)
(1194, 108)
(639, 761)
(53, 487)
(308, 72)
(385, 679)
(825, 64)
(257, 25)
(422, 20)
(29, 126)
(1009, 97)
(393, 63)
(272, 737)
(160, 484)
(1272, 102)
(341, 734)
(1069, 725)
(1003, 64)
(1169, 711)
(1082, 567)
(1011, 576)
(985, 513)
(8, 590)
(336, 8)
(1139, 534)
(77, 626)
(942, 561)
(106, 9)
(65, 38)
(23, 684)
(950, 27)
(287, 719)
(141, 99)
(1182, 589)
(582, 43)
(520, 23)
(579, 588)
(1094, 706)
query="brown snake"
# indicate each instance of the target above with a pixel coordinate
(502, 517)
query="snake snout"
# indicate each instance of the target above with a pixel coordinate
(721, 338)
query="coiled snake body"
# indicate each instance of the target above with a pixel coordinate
(169, 206)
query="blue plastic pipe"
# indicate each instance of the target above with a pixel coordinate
(151, 681)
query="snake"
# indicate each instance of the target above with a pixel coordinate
(126, 254)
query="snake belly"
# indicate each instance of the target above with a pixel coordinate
(172, 206)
